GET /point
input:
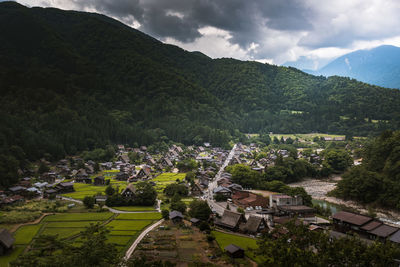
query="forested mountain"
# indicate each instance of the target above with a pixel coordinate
(379, 66)
(72, 81)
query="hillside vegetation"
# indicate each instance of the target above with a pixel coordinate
(73, 81)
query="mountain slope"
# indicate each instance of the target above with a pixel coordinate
(380, 66)
(72, 81)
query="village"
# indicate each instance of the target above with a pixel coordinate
(237, 214)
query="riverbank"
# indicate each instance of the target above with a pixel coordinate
(318, 189)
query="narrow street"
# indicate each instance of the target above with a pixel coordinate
(213, 184)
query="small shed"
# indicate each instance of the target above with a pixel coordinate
(195, 221)
(99, 180)
(176, 216)
(6, 241)
(234, 251)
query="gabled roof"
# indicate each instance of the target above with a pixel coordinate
(175, 214)
(221, 189)
(233, 248)
(6, 239)
(252, 224)
(229, 219)
(129, 187)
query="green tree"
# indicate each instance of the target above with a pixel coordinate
(199, 209)
(89, 202)
(146, 195)
(110, 190)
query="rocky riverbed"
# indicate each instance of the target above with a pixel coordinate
(318, 189)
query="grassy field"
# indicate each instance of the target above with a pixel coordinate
(122, 225)
(224, 239)
(62, 232)
(167, 178)
(135, 208)
(139, 216)
(87, 216)
(25, 234)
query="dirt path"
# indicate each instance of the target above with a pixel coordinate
(15, 227)
(140, 237)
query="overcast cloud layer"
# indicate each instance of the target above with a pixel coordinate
(272, 31)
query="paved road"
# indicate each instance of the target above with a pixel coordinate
(128, 254)
(213, 184)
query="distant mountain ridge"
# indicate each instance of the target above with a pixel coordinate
(379, 66)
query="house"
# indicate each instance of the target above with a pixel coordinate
(234, 251)
(235, 187)
(124, 158)
(196, 190)
(144, 172)
(299, 210)
(49, 177)
(166, 162)
(6, 241)
(246, 199)
(100, 199)
(382, 232)
(143, 148)
(395, 238)
(175, 216)
(230, 220)
(344, 221)
(254, 225)
(99, 180)
(17, 190)
(49, 193)
(195, 221)
(129, 192)
(151, 162)
(280, 200)
(224, 180)
(122, 176)
(220, 190)
(65, 187)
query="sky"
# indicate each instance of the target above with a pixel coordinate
(274, 31)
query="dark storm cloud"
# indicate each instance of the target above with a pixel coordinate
(244, 20)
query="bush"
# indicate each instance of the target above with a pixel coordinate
(204, 226)
(165, 214)
(210, 238)
(219, 198)
(89, 202)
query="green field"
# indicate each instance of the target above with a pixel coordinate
(82, 190)
(87, 216)
(139, 216)
(123, 229)
(135, 208)
(224, 239)
(136, 225)
(62, 232)
(167, 178)
(24, 234)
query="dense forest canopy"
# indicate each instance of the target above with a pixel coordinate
(377, 180)
(73, 81)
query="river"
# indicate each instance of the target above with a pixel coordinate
(318, 190)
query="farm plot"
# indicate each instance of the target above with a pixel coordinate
(135, 208)
(25, 234)
(139, 216)
(167, 178)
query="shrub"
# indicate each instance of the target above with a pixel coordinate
(165, 214)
